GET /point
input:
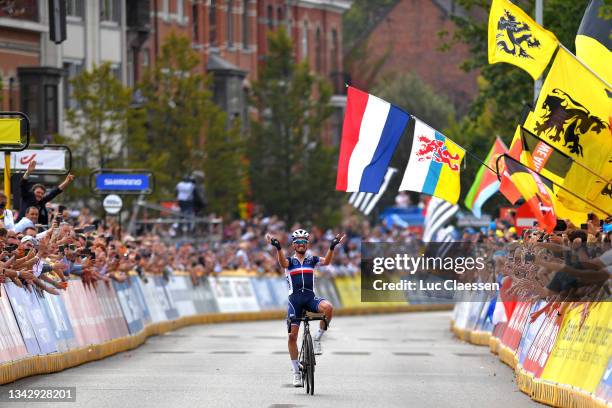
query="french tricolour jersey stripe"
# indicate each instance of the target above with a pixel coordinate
(355, 108)
(370, 133)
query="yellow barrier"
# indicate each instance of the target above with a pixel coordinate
(50, 363)
(541, 390)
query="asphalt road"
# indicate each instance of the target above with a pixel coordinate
(400, 360)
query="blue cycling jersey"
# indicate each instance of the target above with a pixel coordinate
(300, 276)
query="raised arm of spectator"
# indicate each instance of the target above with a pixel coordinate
(24, 184)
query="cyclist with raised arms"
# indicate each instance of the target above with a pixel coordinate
(299, 271)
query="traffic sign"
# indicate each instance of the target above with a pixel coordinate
(112, 204)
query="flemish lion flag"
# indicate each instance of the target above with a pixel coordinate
(572, 114)
(516, 39)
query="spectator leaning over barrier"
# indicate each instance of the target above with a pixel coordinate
(37, 196)
(6, 215)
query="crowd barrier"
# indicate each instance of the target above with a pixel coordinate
(557, 361)
(42, 333)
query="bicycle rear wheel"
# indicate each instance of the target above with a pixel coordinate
(311, 364)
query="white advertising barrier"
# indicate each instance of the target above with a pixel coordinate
(181, 290)
(156, 300)
(12, 346)
(46, 160)
(234, 294)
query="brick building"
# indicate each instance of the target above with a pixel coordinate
(407, 32)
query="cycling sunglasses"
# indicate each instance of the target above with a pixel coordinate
(300, 241)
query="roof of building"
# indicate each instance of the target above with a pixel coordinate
(218, 64)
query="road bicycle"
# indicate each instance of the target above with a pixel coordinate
(307, 356)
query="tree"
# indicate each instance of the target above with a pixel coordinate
(291, 170)
(185, 130)
(98, 123)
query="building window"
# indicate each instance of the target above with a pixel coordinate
(146, 57)
(305, 40)
(212, 22)
(195, 22)
(334, 52)
(110, 10)
(50, 110)
(75, 8)
(179, 11)
(270, 17)
(116, 71)
(71, 70)
(165, 8)
(230, 23)
(318, 62)
(279, 15)
(245, 24)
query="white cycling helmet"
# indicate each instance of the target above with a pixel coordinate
(300, 233)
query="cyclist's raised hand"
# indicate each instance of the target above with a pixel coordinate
(337, 241)
(273, 241)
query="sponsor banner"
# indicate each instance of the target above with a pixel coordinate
(181, 290)
(165, 298)
(484, 323)
(462, 311)
(46, 160)
(45, 335)
(605, 386)
(12, 346)
(57, 316)
(349, 290)
(263, 293)
(204, 298)
(136, 288)
(77, 315)
(280, 291)
(130, 306)
(152, 297)
(88, 320)
(20, 310)
(581, 353)
(516, 326)
(531, 331)
(95, 310)
(123, 182)
(325, 288)
(474, 314)
(542, 345)
(111, 309)
(234, 294)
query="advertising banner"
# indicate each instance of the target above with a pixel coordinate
(516, 326)
(234, 294)
(12, 346)
(604, 390)
(264, 294)
(542, 345)
(325, 288)
(349, 290)
(53, 160)
(135, 284)
(19, 306)
(156, 308)
(181, 290)
(130, 306)
(280, 291)
(56, 315)
(123, 182)
(111, 309)
(204, 298)
(165, 298)
(531, 331)
(581, 353)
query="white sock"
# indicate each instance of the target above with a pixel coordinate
(296, 367)
(319, 334)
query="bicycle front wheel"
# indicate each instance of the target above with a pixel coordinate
(311, 364)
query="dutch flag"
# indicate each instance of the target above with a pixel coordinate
(370, 133)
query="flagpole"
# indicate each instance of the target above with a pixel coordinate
(561, 187)
(539, 16)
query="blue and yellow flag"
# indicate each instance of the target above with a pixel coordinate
(434, 166)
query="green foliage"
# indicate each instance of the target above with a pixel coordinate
(98, 123)
(184, 130)
(504, 89)
(291, 170)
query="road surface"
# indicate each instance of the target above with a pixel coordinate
(398, 360)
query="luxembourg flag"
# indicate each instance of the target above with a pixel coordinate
(371, 131)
